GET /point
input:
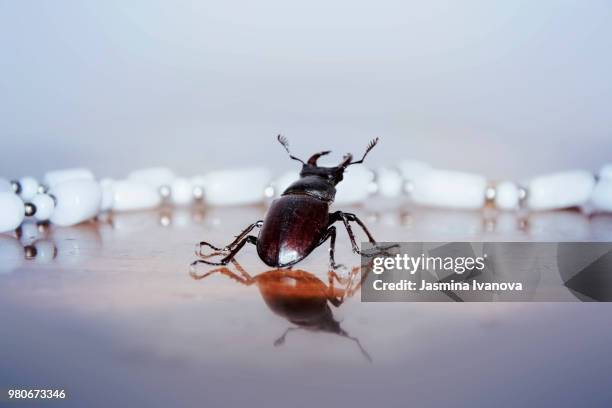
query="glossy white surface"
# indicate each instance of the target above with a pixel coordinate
(356, 186)
(131, 195)
(44, 206)
(29, 188)
(507, 196)
(107, 186)
(236, 186)
(560, 190)
(181, 191)
(77, 201)
(12, 212)
(5, 186)
(450, 189)
(390, 182)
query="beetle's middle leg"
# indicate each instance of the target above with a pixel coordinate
(345, 218)
(231, 245)
(331, 235)
(224, 261)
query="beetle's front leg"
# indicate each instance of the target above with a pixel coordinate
(231, 245)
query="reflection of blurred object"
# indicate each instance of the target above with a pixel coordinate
(12, 211)
(131, 222)
(45, 251)
(601, 227)
(76, 244)
(28, 232)
(299, 296)
(559, 226)
(11, 254)
(602, 195)
(452, 223)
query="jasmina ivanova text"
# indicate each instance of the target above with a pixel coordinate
(406, 285)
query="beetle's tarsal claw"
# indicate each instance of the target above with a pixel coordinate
(198, 249)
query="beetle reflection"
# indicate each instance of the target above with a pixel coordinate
(300, 297)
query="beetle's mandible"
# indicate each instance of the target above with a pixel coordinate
(299, 220)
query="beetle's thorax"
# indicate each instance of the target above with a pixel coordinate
(314, 186)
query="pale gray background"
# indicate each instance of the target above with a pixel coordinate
(508, 88)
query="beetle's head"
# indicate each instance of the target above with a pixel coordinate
(332, 174)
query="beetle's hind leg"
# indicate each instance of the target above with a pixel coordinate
(228, 247)
(345, 218)
(224, 261)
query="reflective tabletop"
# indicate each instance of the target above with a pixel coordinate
(111, 312)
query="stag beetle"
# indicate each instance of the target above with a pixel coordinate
(299, 221)
(300, 297)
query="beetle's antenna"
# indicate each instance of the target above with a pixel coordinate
(283, 140)
(371, 145)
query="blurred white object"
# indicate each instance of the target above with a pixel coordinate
(284, 181)
(236, 187)
(5, 186)
(412, 170)
(606, 171)
(107, 186)
(53, 178)
(131, 195)
(76, 201)
(181, 191)
(560, 190)
(601, 198)
(358, 184)
(44, 206)
(29, 188)
(507, 196)
(561, 225)
(450, 189)
(11, 253)
(390, 182)
(153, 176)
(12, 211)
